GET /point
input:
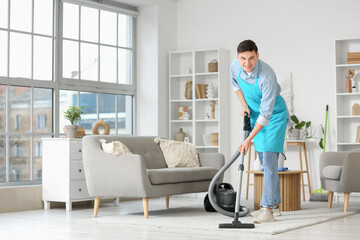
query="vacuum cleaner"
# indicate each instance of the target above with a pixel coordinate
(240, 211)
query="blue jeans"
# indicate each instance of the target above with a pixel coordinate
(271, 184)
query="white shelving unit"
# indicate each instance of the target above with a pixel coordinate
(346, 123)
(192, 65)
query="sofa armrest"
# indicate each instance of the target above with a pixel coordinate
(215, 160)
(111, 175)
(350, 176)
(331, 158)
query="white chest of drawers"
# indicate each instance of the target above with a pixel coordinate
(63, 172)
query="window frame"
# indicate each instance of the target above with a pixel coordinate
(57, 82)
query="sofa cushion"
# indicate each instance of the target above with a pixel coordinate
(332, 172)
(178, 175)
(178, 154)
(114, 147)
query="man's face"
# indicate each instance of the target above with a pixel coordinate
(248, 60)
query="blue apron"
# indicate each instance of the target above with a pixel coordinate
(271, 137)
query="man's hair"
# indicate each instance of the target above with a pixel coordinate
(247, 45)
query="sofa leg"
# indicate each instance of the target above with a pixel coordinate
(346, 201)
(96, 206)
(331, 194)
(146, 207)
(167, 201)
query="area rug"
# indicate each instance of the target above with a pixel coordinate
(196, 218)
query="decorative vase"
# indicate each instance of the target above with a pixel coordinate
(188, 90)
(180, 136)
(294, 134)
(71, 131)
(210, 91)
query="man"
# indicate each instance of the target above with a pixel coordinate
(256, 86)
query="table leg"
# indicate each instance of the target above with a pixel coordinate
(301, 168)
(307, 169)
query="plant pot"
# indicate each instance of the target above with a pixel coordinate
(294, 134)
(71, 131)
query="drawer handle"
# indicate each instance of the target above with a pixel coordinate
(79, 150)
(79, 189)
(79, 170)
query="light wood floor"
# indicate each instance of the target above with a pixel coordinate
(59, 224)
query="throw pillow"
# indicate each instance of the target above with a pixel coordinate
(114, 148)
(178, 154)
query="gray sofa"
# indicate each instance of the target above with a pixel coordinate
(144, 173)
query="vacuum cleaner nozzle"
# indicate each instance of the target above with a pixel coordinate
(236, 224)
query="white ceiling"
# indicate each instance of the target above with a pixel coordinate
(136, 3)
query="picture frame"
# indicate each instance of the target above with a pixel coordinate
(183, 113)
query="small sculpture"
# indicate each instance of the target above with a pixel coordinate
(349, 76)
(212, 105)
(188, 90)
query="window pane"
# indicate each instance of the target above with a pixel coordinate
(2, 159)
(71, 21)
(4, 13)
(19, 109)
(124, 114)
(20, 15)
(20, 55)
(2, 108)
(107, 111)
(70, 59)
(37, 157)
(88, 100)
(124, 66)
(108, 64)
(3, 53)
(67, 98)
(108, 27)
(19, 158)
(42, 111)
(89, 61)
(43, 16)
(125, 31)
(42, 58)
(89, 24)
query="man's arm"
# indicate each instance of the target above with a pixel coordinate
(245, 107)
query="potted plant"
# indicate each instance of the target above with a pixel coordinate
(294, 131)
(73, 114)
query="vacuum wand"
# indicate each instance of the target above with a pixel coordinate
(238, 212)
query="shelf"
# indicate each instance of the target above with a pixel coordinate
(347, 117)
(206, 99)
(348, 94)
(206, 120)
(206, 74)
(206, 146)
(180, 100)
(181, 75)
(348, 144)
(348, 65)
(181, 121)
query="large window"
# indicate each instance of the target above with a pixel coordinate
(54, 54)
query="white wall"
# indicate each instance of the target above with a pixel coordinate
(292, 36)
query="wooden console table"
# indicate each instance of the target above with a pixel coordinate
(299, 144)
(289, 189)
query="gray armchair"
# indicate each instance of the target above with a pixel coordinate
(340, 172)
(144, 173)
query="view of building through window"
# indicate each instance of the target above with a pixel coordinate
(97, 64)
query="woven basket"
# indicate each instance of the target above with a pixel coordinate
(213, 66)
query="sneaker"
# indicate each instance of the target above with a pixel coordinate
(257, 213)
(276, 211)
(266, 216)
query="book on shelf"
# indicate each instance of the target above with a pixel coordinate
(353, 54)
(353, 60)
(201, 90)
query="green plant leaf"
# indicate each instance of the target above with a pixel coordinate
(321, 144)
(300, 125)
(294, 119)
(308, 124)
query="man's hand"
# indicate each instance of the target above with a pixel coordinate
(244, 110)
(244, 147)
